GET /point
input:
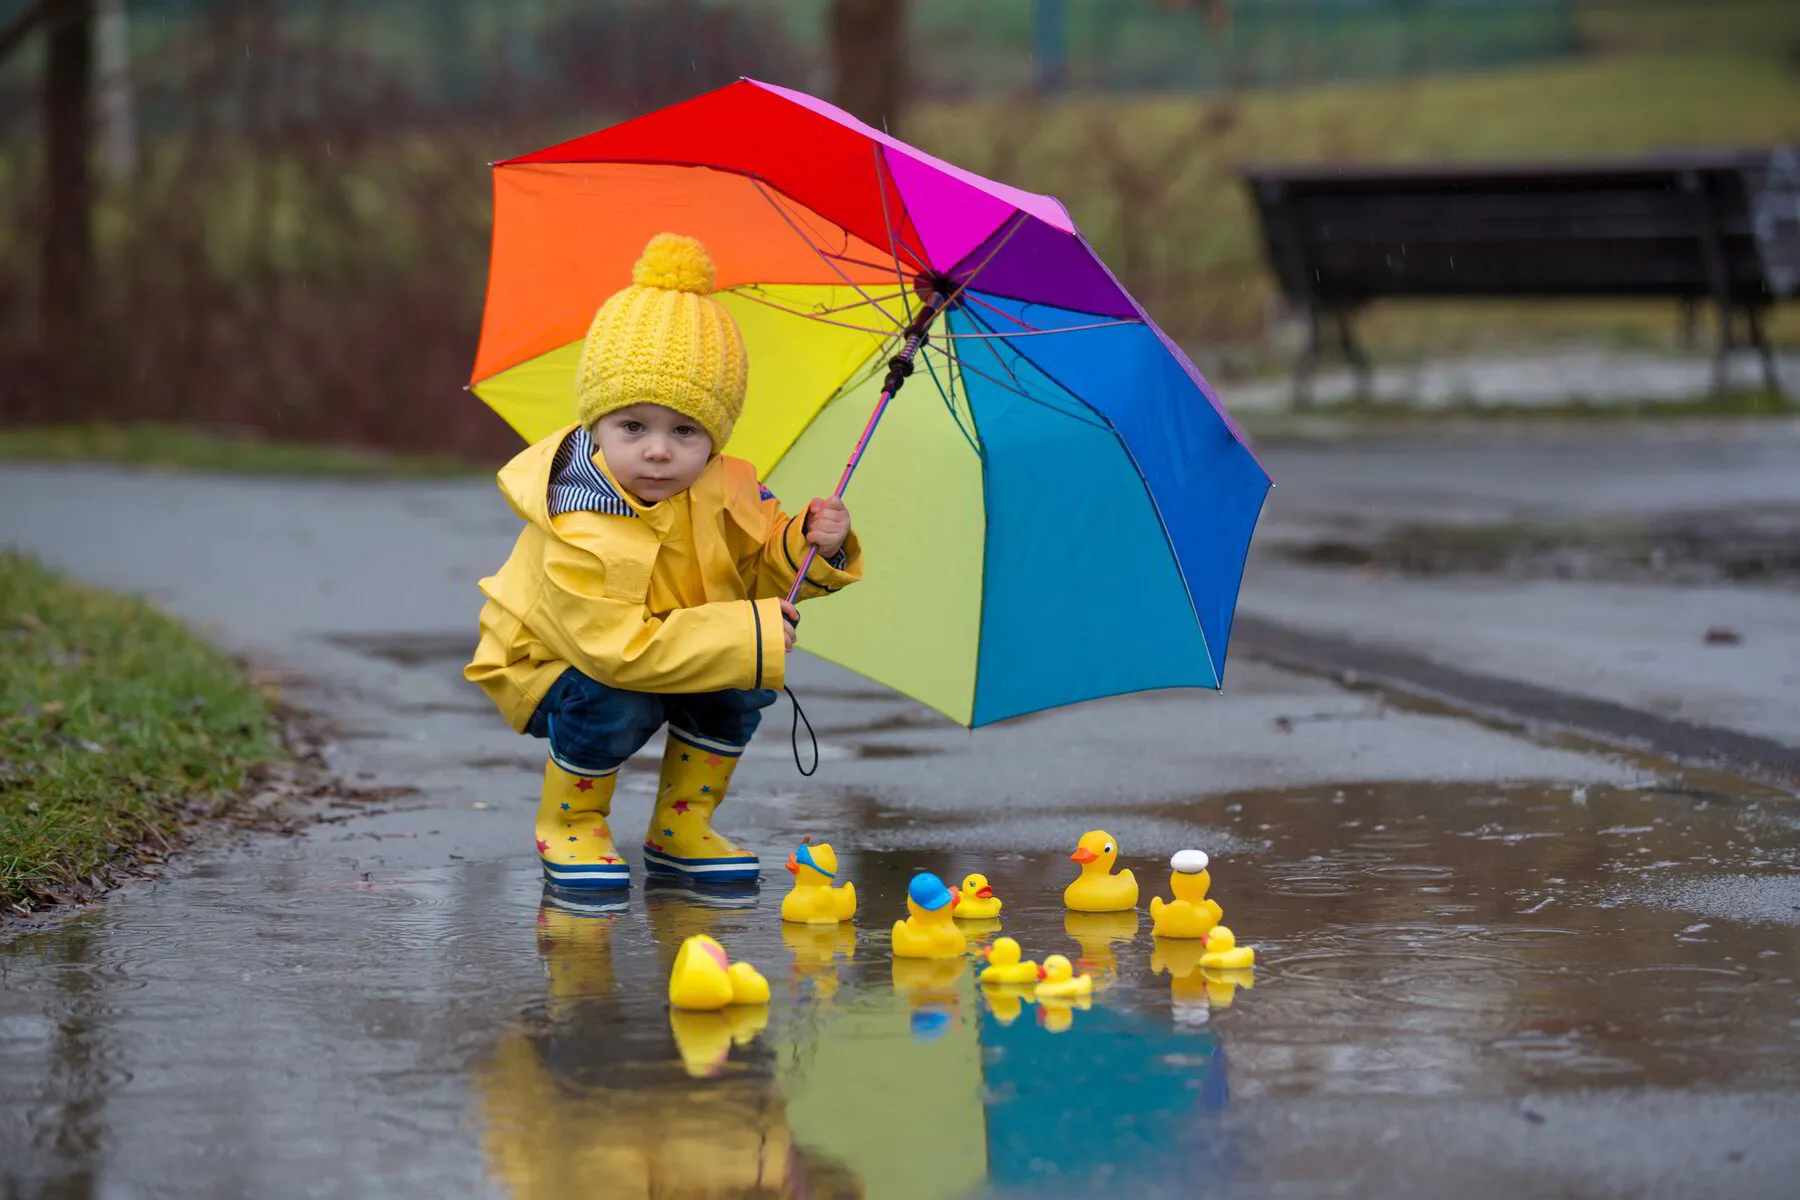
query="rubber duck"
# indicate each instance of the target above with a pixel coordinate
(1190, 914)
(1004, 965)
(976, 900)
(1060, 981)
(1223, 952)
(814, 899)
(1097, 889)
(705, 980)
(929, 930)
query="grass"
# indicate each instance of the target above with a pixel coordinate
(117, 727)
(1151, 180)
(196, 449)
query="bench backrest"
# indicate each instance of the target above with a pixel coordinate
(1722, 225)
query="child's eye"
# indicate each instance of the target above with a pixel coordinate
(685, 431)
(632, 426)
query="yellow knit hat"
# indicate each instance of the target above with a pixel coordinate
(664, 340)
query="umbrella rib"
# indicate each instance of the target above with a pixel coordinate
(782, 213)
(950, 405)
(838, 308)
(976, 337)
(806, 316)
(881, 178)
(963, 365)
(997, 309)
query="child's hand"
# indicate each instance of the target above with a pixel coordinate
(827, 525)
(790, 618)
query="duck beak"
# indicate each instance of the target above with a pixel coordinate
(984, 893)
(955, 899)
(1083, 855)
(793, 865)
(1042, 974)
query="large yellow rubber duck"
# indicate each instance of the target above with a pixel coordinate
(814, 900)
(1223, 952)
(1190, 914)
(929, 930)
(705, 980)
(976, 900)
(1060, 981)
(1097, 889)
(1004, 965)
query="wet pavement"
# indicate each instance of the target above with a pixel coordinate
(1487, 963)
(1568, 964)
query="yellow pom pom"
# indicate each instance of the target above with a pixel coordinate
(675, 263)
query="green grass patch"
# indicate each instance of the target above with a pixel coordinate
(195, 449)
(117, 726)
(1152, 179)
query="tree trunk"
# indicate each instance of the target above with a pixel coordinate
(868, 51)
(68, 185)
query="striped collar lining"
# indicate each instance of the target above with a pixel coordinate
(576, 484)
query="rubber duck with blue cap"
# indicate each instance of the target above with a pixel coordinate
(929, 930)
(814, 899)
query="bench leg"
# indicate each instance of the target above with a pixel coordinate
(1308, 360)
(1759, 338)
(1356, 356)
(1722, 356)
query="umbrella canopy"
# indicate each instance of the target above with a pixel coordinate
(1058, 509)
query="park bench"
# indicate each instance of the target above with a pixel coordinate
(1719, 227)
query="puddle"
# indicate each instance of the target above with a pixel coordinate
(292, 1021)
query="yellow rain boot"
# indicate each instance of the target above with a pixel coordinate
(681, 839)
(573, 841)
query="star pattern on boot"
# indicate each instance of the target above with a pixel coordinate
(542, 845)
(714, 760)
(583, 785)
(680, 806)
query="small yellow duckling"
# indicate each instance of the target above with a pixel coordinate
(929, 930)
(976, 900)
(705, 980)
(1223, 952)
(1190, 914)
(1004, 965)
(814, 901)
(1097, 889)
(1060, 981)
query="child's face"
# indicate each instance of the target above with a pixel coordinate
(654, 451)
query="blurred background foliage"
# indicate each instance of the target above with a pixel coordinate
(271, 215)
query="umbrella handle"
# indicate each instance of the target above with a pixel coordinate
(899, 368)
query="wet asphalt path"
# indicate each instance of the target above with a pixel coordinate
(1488, 964)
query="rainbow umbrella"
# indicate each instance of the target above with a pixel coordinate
(1059, 511)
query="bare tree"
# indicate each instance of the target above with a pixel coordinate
(868, 51)
(68, 257)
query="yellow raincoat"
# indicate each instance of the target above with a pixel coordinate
(682, 596)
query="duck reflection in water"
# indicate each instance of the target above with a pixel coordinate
(593, 1095)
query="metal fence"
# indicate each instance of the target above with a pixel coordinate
(483, 54)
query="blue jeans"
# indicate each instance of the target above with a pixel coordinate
(593, 728)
